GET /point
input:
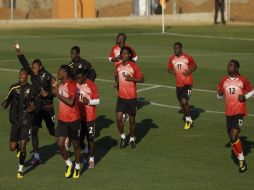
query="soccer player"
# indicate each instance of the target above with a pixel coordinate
(114, 55)
(22, 106)
(182, 66)
(236, 90)
(78, 63)
(127, 75)
(88, 99)
(68, 118)
(41, 81)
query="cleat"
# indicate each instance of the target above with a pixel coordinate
(18, 154)
(188, 125)
(132, 144)
(20, 175)
(68, 171)
(35, 162)
(122, 143)
(76, 174)
(91, 164)
(242, 166)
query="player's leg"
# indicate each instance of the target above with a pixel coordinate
(14, 139)
(222, 9)
(132, 107)
(35, 138)
(216, 12)
(185, 96)
(236, 144)
(178, 95)
(62, 134)
(83, 146)
(120, 110)
(49, 118)
(74, 135)
(90, 137)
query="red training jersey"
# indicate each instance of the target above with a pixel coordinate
(127, 89)
(115, 52)
(179, 65)
(232, 88)
(88, 90)
(68, 113)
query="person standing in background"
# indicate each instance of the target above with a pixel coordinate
(219, 5)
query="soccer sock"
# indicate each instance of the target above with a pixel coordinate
(21, 168)
(188, 119)
(22, 158)
(91, 159)
(37, 156)
(238, 146)
(77, 166)
(132, 139)
(234, 150)
(123, 136)
(68, 162)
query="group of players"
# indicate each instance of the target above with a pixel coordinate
(78, 97)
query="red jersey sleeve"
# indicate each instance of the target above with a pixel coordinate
(95, 93)
(137, 72)
(247, 86)
(170, 64)
(111, 54)
(220, 88)
(192, 63)
(72, 89)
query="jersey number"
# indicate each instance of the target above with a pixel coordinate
(232, 90)
(179, 66)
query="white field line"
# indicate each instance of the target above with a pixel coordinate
(149, 88)
(130, 34)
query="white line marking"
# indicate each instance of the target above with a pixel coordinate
(129, 34)
(148, 88)
(152, 86)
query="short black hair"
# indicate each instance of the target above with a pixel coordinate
(24, 70)
(129, 50)
(178, 44)
(37, 61)
(76, 49)
(122, 34)
(67, 69)
(83, 72)
(235, 62)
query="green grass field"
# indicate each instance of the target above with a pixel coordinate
(166, 156)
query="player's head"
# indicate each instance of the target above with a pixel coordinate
(178, 48)
(75, 53)
(81, 75)
(23, 75)
(36, 66)
(121, 38)
(64, 72)
(126, 54)
(233, 67)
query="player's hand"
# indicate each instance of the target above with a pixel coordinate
(4, 104)
(187, 73)
(86, 101)
(17, 48)
(55, 91)
(31, 108)
(115, 85)
(43, 93)
(54, 83)
(241, 98)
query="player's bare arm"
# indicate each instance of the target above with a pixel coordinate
(69, 101)
(189, 71)
(137, 80)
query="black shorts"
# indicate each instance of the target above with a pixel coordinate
(68, 129)
(234, 122)
(87, 130)
(48, 114)
(183, 92)
(128, 106)
(19, 133)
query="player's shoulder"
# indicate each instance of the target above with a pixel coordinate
(243, 78)
(72, 83)
(90, 83)
(133, 65)
(171, 57)
(188, 56)
(15, 85)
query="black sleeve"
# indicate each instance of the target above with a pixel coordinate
(9, 96)
(23, 61)
(35, 99)
(92, 73)
(49, 79)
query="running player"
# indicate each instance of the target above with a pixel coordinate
(114, 55)
(236, 89)
(182, 66)
(41, 81)
(127, 75)
(88, 99)
(22, 106)
(68, 118)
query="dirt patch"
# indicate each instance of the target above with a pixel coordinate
(121, 9)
